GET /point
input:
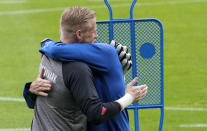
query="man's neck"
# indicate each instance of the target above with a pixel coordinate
(66, 41)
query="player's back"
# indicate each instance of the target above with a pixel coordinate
(58, 111)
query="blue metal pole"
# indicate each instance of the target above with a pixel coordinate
(111, 30)
(161, 118)
(132, 8)
(134, 69)
(136, 119)
(110, 9)
(162, 76)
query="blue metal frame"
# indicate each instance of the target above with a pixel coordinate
(110, 9)
(132, 22)
(132, 9)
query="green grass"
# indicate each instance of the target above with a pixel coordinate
(185, 55)
(15, 115)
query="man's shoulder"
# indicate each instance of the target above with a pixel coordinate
(75, 70)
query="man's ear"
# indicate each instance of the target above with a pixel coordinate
(78, 35)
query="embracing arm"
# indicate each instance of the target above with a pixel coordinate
(28, 96)
(98, 56)
(37, 87)
(80, 82)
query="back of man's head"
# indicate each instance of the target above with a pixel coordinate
(75, 18)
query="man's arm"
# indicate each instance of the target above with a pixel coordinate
(96, 55)
(37, 87)
(79, 80)
(28, 96)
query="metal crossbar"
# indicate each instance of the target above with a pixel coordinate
(144, 38)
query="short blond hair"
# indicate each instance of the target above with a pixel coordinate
(75, 18)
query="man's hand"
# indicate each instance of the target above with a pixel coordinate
(40, 86)
(138, 92)
(124, 55)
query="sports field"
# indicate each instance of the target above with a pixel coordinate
(24, 23)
